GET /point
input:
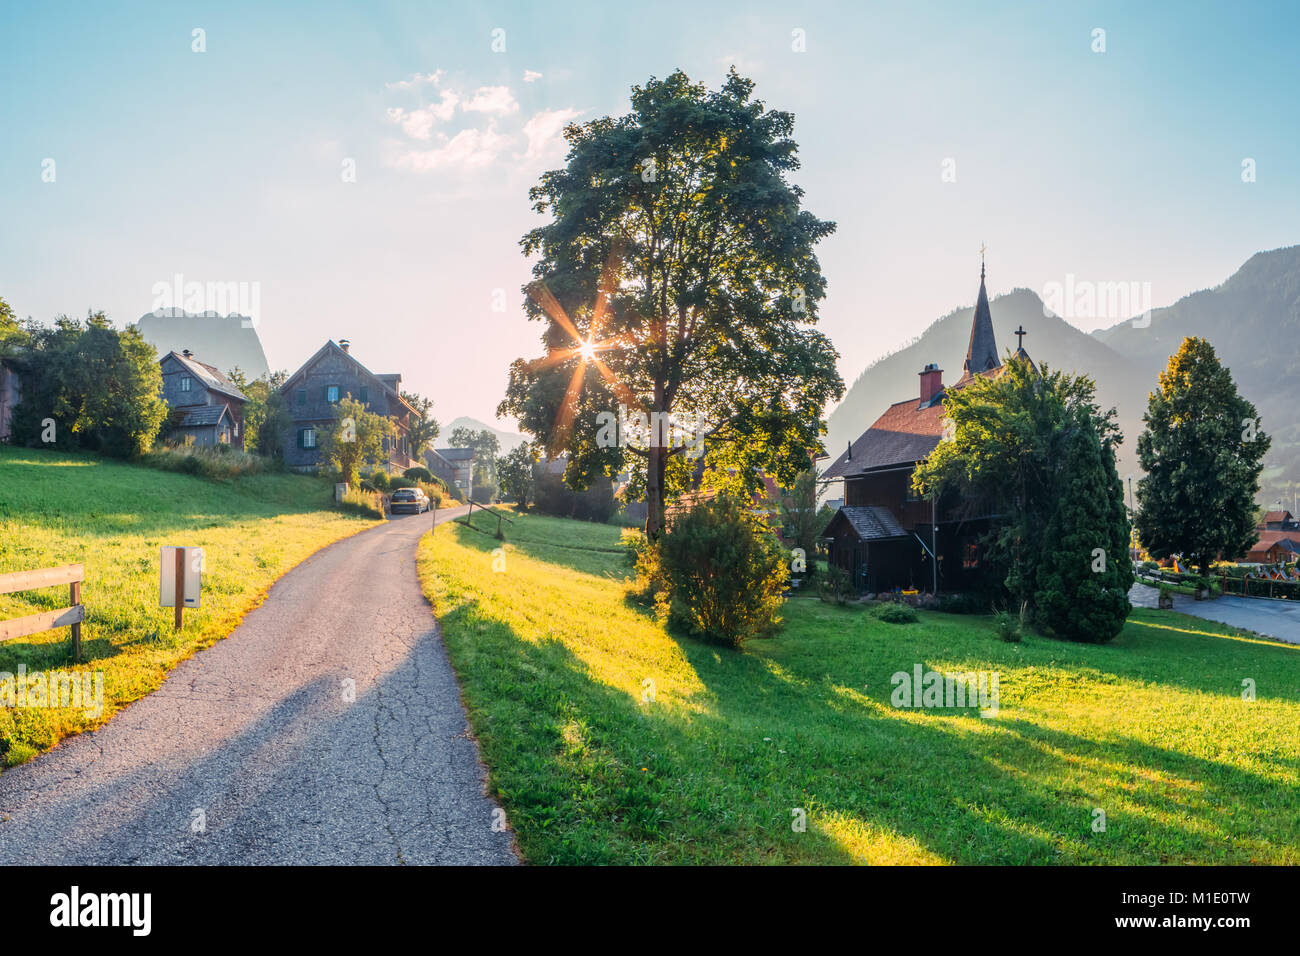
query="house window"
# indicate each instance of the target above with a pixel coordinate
(308, 436)
(331, 393)
(970, 555)
(365, 394)
(186, 382)
(302, 396)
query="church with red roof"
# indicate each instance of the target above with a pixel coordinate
(886, 536)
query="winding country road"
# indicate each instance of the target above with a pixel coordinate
(255, 751)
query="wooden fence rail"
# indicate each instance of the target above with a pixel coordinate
(69, 574)
(469, 515)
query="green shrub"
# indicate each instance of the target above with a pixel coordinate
(892, 613)
(418, 473)
(724, 571)
(208, 461)
(634, 542)
(835, 588)
(962, 604)
(1007, 627)
(379, 479)
(437, 493)
(357, 501)
(650, 585)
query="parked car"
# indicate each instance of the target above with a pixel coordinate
(413, 500)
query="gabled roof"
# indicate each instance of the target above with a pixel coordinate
(386, 381)
(203, 415)
(869, 522)
(1277, 517)
(209, 375)
(456, 454)
(1269, 538)
(906, 433)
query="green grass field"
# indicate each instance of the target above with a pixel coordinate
(113, 518)
(714, 765)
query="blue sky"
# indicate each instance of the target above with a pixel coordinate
(227, 165)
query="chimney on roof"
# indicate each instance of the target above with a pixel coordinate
(187, 353)
(931, 381)
(344, 344)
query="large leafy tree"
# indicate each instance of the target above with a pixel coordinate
(11, 331)
(1085, 570)
(100, 386)
(485, 445)
(515, 472)
(267, 417)
(1202, 452)
(355, 438)
(1007, 448)
(424, 428)
(676, 280)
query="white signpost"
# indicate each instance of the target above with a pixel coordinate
(180, 579)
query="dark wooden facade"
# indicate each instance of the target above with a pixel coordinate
(313, 393)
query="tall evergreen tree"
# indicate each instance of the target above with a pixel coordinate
(1202, 452)
(1085, 571)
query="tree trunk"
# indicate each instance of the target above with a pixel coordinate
(654, 517)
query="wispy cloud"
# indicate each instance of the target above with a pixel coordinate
(471, 147)
(492, 99)
(468, 149)
(416, 80)
(543, 130)
(418, 123)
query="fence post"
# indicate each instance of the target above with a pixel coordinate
(180, 585)
(74, 592)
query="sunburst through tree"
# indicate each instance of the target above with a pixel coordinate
(677, 280)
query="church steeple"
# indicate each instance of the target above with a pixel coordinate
(982, 353)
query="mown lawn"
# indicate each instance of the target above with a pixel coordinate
(113, 518)
(1151, 729)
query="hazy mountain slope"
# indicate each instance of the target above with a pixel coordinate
(1253, 322)
(1050, 340)
(221, 341)
(509, 440)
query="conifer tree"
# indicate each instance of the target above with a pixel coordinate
(1202, 452)
(1085, 571)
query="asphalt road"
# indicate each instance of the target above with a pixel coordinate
(251, 752)
(1279, 619)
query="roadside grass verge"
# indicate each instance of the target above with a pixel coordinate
(610, 740)
(113, 517)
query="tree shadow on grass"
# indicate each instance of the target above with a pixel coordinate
(1008, 792)
(593, 561)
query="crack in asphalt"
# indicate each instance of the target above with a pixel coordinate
(250, 753)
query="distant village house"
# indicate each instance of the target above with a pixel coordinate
(325, 379)
(207, 408)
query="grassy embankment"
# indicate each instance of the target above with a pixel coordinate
(113, 518)
(1151, 728)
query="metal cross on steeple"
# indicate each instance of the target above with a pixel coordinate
(981, 260)
(1020, 334)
